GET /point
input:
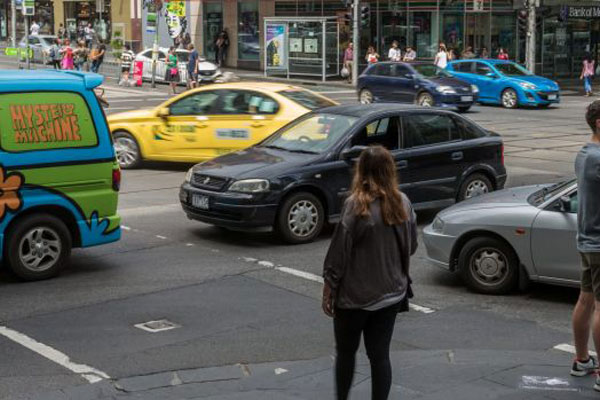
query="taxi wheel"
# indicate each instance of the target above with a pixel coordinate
(489, 266)
(127, 150)
(300, 218)
(38, 247)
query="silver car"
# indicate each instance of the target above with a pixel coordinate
(496, 239)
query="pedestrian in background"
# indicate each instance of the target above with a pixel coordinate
(221, 46)
(366, 270)
(61, 33)
(80, 55)
(54, 54)
(192, 67)
(502, 55)
(441, 58)
(468, 53)
(126, 61)
(372, 57)
(451, 55)
(587, 310)
(66, 52)
(394, 54)
(89, 33)
(349, 60)
(172, 74)
(34, 29)
(410, 54)
(484, 53)
(98, 56)
(587, 73)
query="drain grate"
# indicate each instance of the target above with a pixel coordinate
(160, 325)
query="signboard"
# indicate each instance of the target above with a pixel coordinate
(151, 19)
(477, 5)
(275, 46)
(28, 7)
(15, 52)
(175, 17)
(583, 12)
(138, 68)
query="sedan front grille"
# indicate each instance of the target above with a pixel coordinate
(209, 182)
(206, 73)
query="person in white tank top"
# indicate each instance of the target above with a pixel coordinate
(441, 58)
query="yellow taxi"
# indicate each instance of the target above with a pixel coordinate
(203, 123)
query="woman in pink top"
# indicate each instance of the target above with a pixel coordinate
(502, 55)
(349, 60)
(587, 72)
(67, 55)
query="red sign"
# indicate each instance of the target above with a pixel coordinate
(138, 67)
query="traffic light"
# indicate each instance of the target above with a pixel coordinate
(522, 16)
(365, 16)
(347, 18)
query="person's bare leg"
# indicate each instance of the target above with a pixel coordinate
(596, 326)
(582, 315)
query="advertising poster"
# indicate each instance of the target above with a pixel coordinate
(175, 18)
(295, 45)
(138, 68)
(275, 46)
(311, 45)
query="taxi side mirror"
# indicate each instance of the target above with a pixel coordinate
(163, 112)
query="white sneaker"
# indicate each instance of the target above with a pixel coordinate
(586, 368)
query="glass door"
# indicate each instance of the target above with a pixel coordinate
(477, 32)
(213, 25)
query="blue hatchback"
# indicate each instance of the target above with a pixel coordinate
(506, 83)
(419, 82)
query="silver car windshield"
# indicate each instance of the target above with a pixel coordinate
(315, 133)
(549, 192)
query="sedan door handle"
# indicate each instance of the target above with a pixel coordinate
(457, 156)
(257, 125)
(401, 164)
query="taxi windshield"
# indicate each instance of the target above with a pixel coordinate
(512, 69)
(312, 134)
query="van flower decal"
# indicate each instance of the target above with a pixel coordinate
(10, 184)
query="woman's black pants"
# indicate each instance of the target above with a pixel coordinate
(377, 328)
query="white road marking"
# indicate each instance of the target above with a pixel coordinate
(569, 348)
(92, 375)
(125, 228)
(316, 278)
(279, 371)
(546, 383)
(161, 237)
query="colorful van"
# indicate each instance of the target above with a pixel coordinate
(59, 179)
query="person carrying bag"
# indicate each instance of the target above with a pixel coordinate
(366, 270)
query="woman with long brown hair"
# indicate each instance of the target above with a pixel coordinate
(366, 270)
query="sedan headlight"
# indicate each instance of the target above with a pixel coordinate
(474, 89)
(446, 89)
(250, 186)
(527, 85)
(189, 175)
(438, 225)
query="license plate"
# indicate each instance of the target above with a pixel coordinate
(466, 98)
(551, 97)
(200, 201)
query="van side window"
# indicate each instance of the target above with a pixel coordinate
(45, 121)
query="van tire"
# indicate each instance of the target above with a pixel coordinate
(127, 150)
(42, 238)
(298, 231)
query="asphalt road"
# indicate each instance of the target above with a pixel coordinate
(232, 294)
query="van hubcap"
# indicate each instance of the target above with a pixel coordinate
(303, 218)
(489, 266)
(126, 151)
(476, 188)
(40, 249)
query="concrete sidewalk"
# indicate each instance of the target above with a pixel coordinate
(418, 374)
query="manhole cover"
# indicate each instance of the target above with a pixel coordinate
(160, 325)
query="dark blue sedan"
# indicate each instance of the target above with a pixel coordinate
(423, 83)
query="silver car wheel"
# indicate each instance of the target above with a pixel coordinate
(476, 188)
(489, 266)
(40, 249)
(366, 97)
(509, 98)
(126, 151)
(303, 218)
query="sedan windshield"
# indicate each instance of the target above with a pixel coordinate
(431, 71)
(311, 134)
(512, 69)
(549, 192)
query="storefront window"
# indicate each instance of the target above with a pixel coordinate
(44, 16)
(421, 34)
(503, 34)
(213, 25)
(78, 14)
(452, 30)
(248, 45)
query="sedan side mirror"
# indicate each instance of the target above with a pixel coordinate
(163, 112)
(491, 75)
(352, 153)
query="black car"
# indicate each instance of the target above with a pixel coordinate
(297, 179)
(416, 82)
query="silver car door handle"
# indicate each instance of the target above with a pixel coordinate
(401, 164)
(457, 156)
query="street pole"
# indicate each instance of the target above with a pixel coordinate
(27, 42)
(155, 45)
(355, 41)
(13, 22)
(531, 30)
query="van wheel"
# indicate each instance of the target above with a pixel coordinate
(38, 247)
(127, 150)
(300, 218)
(474, 185)
(488, 265)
